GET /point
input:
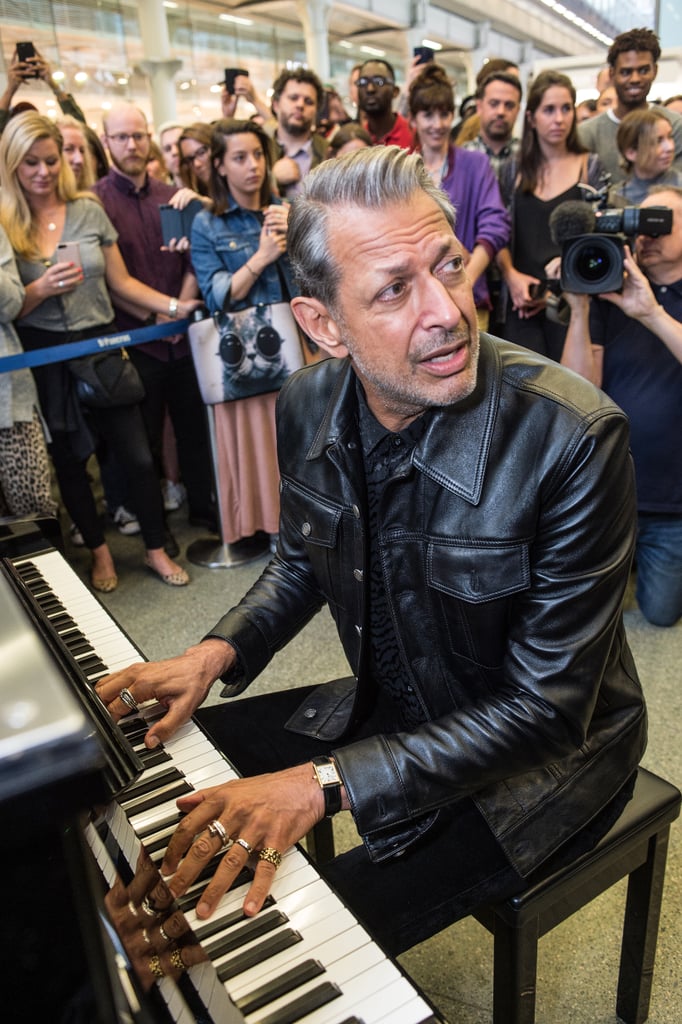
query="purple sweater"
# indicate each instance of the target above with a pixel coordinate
(482, 218)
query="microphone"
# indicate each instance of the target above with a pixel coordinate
(571, 218)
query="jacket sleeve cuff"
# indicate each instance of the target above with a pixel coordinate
(373, 784)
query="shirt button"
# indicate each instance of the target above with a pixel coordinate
(663, 289)
(397, 441)
(306, 529)
(359, 575)
(351, 446)
(233, 244)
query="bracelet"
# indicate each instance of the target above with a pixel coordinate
(173, 307)
(251, 270)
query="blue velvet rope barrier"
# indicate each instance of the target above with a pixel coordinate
(75, 349)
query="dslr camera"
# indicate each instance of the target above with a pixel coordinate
(593, 242)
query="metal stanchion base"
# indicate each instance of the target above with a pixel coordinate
(214, 554)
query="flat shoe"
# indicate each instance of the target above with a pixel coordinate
(172, 579)
(105, 584)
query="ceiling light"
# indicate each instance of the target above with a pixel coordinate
(59, 76)
(184, 85)
(431, 44)
(372, 51)
(236, 20)
(345, 44)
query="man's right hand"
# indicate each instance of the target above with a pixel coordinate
(181, 683)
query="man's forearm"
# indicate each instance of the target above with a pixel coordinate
(579, 353)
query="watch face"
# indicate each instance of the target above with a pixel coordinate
(327, 774)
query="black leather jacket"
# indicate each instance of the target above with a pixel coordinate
(506, 543)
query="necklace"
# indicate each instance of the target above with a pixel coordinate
(52, 226)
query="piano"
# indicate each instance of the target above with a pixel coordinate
(89, 811)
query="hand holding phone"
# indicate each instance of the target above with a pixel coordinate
(69, 252)
(424, 53)
(230, 75)
(26, 52)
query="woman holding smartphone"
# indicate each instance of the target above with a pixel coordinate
(68, 300)
(239, 256)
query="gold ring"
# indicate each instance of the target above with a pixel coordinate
(243, 843)
(132, 908)
(145, 936)
(164, 934)
(177, 961)
(155, 967)
(271, 856)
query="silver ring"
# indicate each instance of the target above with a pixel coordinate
(243, 843)
(126, 696)
(148, 909)
(145, 936)
(60, 283)
(216, 829)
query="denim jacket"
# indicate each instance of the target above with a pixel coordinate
(221, 245)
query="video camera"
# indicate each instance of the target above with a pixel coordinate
(593, 241)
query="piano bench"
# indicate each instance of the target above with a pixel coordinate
(635, 846)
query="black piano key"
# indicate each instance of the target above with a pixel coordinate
(218, 924)
(146, 803)
(149, 785)
(280, 986)
(90, 663)
(150, 758)
(261, 951)
(310, 1001)
(255, 928)
(77, 644)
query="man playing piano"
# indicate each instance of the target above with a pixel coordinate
(466, 510)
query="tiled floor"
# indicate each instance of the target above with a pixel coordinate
(578, 961)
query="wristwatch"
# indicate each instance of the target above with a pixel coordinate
(330, 782)
(173, 307)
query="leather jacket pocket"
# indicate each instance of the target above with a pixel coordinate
(310, 523)
(473, 586)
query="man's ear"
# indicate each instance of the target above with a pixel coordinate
(316, 321)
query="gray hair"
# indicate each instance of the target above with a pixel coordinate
(370, 179)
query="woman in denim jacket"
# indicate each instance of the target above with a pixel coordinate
(239, 257)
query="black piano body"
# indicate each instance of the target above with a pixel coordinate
(79, 818)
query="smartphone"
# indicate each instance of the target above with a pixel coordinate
(425, 54)
(69, 252)
(178, 223)
(230, 75)
(25, 51)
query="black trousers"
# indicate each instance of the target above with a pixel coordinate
(456, 866)
(174, 384)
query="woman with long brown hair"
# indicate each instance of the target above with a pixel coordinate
(551, 167)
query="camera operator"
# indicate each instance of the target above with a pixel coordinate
(630, 344)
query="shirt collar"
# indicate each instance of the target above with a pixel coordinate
(123, 183)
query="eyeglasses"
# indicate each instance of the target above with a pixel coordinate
(120, 138)
(198, 154)
(378, 81)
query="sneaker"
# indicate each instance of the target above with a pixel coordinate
(173, 495)
(76, 536)
(125, 521)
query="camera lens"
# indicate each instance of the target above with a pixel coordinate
(593, 263)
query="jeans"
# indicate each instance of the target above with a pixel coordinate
(659, 568)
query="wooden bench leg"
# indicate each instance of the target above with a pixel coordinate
(515, 972)
(640, 932)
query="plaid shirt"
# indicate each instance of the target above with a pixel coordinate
(478, 145)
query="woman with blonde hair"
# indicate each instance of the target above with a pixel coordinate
(77, 151)
(646, 145)
(68, 300)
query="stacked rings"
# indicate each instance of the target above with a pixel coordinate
(127, 698)
(164, 934)
(155, 967)
(176, 960)
(148, 908)
(271, 855)
(216, 828)
(243, 843)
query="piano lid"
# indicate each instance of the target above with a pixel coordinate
(45, 735)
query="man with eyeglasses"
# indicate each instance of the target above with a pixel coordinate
(376, 93)
(132, 199)
(633, 67)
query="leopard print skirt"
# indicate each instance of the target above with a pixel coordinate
(25, 471)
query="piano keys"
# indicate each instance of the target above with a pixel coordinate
(305, 957)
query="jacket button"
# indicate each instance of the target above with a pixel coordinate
(310, 713)
(359, 575)
(356, 511)
(358, 630)
(306, 529)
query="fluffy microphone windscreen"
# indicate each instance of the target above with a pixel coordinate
(571, 218)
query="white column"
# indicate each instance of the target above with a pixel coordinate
(158, 64)
(314, 15)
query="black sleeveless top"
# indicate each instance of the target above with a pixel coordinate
(533, 246)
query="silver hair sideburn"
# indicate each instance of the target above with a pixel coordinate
(370, 179)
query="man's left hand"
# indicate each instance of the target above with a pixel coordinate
(265, 812)
(636, 299)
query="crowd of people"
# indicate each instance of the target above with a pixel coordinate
(506, 165)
